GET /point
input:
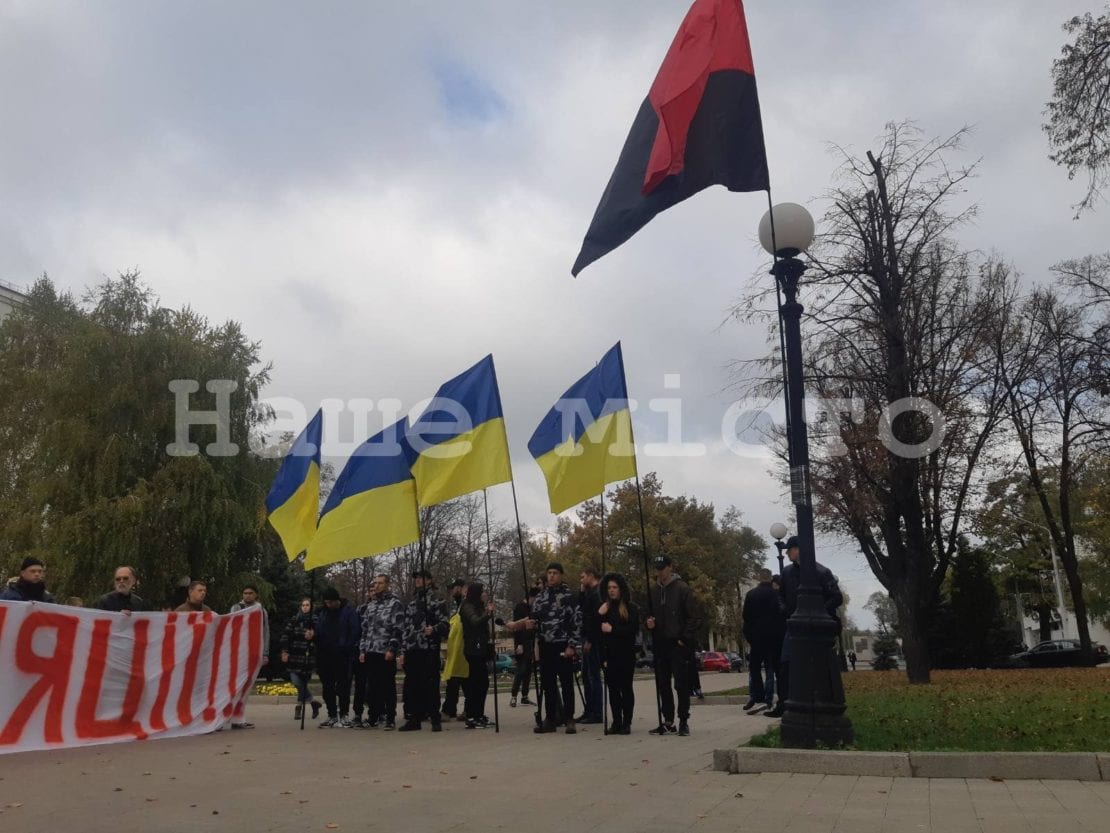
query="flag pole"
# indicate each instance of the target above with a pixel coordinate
(307, 644)
(603, 598)
(492, 625)
(536, 686)
(782, 340)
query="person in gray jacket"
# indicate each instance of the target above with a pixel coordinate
(426, 625)
(674, 625)
(248, 601)
(383, 625)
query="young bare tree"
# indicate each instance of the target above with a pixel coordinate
(1078, 125)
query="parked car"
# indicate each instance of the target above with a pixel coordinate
(505, 663)
(715, 661)
(1057, 653)
(646, 661)
(735, 661)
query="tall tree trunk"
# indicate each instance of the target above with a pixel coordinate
(913, 627)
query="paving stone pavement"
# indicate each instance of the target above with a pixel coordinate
(277, 778)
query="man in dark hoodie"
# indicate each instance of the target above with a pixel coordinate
(791, 580)
(31, 585)
(590, 600)
(337, 633)
(674, 626)
(123, 599)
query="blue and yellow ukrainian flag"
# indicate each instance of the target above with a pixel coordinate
(460, 439)
(372, 508)
(294, 499)
(585, 441)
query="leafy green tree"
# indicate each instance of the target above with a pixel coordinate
(85, 417)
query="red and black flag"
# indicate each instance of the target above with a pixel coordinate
(698, 126)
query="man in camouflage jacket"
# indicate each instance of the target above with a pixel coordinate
(557, 619)
(426, 624)
(383, 624)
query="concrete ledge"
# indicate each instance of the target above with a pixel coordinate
(1104, 764)
(1067, 766)
(749, 759)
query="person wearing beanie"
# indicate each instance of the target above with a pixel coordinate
(31, 584)
(337, 635)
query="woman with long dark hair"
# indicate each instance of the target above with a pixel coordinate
(620, 622)
(474, 614)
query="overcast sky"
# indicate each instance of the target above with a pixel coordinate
(382, 193)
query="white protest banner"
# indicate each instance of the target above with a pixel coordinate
(74, 677)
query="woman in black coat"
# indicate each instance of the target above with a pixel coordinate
(299, 656)
(620, 623)
(474, 614)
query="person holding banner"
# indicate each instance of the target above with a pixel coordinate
(250, 600)
(123, 599)
(194, 599)
(455, 669)
(31, 584)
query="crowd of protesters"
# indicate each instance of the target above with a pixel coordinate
(556, 632)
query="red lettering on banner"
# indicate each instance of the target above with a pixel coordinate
(254, 654)
(217, 649)
(185, 701)
(233, 675)
(53, 672)
(158, 713)
(88, 725)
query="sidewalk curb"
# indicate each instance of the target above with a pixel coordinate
(1057, 766)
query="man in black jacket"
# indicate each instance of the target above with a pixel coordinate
(337, 634)
(524, 647)
(674, 625)
(590, 600)
(791, 580)
(123, 599)
(764, 628)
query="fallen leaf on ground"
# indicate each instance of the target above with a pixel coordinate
(15, 804)
(473, 777)
(406, 786)
(633, 783)
(286, 792)
(118, 789)
(148, 798)
(331, 825)
(443, 772)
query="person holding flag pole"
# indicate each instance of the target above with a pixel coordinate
(459, 445)
(291, 508)
(586, 442)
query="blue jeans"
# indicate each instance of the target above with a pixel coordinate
(300, 680)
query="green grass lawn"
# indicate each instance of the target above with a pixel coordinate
(1050, 710)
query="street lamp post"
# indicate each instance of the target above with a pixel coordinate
(814, 711)
(778, 532)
